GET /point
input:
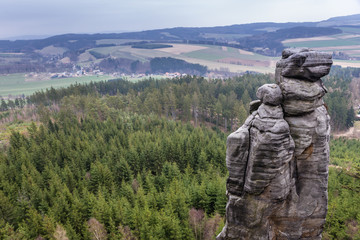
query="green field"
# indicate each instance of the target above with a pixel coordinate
(130, 53)
(206, 54)
(115, 41)
(350, 30)
(229, 37)
(10, 55)
(214, 53)
(15, 84)
(326, 43)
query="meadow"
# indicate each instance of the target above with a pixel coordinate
(17, 84)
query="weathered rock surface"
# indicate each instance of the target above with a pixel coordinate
(303, 64)
(269, 94)
(278, 160)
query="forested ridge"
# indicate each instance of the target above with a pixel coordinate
(221, 102)
(145, 160)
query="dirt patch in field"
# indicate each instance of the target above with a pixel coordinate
(37, 77)
(292, 40)
(182, 48)
(337, 47)
(351, 52)
(243, 52)
(347, 64)
(11, 53)
(65, 60)
(245, 62)
(273, 64)
(349, 36)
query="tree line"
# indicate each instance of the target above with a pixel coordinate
(223, 103)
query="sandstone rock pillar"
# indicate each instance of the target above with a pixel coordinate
(278, 160)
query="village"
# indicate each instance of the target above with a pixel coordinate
(83, 73)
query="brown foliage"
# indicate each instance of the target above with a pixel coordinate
(97, 230)
(60, 233)
(126, 233)
(203, 228)
(210, 227)
(196, 220)
(135, 185)
(352, 228)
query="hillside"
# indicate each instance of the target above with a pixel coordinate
(341, 21)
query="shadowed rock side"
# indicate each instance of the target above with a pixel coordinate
(278, 160)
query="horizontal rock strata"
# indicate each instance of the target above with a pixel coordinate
(278, 160)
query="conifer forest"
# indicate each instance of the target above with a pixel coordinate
(146, 160)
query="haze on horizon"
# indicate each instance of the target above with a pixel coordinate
(46, 18)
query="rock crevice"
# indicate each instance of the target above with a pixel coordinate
(278, 160)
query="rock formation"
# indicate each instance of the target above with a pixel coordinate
(278, 159)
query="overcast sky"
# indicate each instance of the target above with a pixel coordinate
(51, 17)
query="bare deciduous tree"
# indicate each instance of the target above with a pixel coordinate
(60, 233)
(97, 230)
(196, 218)
(126, 233)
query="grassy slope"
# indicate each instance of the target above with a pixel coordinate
(350, 30)
(15, 84)
(327, 43)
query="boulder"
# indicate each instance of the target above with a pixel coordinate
(270, 94)
(303, 64)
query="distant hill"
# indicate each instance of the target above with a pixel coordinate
(218, 35)
(341, 21)
(221, 34)
(63, 52)
(270, 43)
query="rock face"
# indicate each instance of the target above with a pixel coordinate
(278, 160)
